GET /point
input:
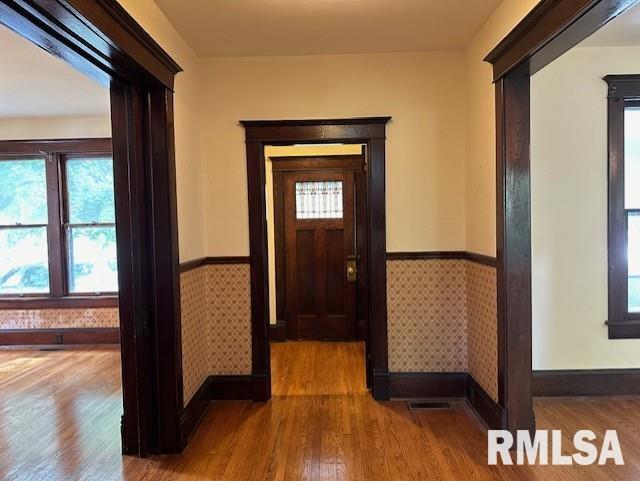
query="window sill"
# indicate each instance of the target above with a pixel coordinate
(629, 329)
(71, 302)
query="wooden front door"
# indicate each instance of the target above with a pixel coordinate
(319, 224)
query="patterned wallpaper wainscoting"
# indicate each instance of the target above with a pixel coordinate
(193, 302)
(426, 306)
(483, 326)
(229, 318)
(59, 318)
(216, 323)
(442, 316)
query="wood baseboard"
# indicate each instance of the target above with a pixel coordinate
(214, 388)
(427, 385)
(57, 337)
(278, 331)
(231, 388)
(194, 411)
(380, 385)
(452, 385)
(488, 410)
(591, 382)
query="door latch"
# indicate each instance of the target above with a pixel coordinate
(352, 269)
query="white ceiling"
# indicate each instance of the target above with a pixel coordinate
(228, 28)
(34, 83)
(623, 31)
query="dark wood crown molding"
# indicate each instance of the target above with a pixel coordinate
(549, 30)
(315, 130)
(309, 122)
(98, 37)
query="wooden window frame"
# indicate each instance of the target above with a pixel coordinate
(55, 155)
(623, 92)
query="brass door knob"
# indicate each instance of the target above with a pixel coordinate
(352, 271)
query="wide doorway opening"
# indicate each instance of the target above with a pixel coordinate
(316, 197)
(60, 359)
(327, 211)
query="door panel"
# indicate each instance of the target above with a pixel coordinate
(319, 239)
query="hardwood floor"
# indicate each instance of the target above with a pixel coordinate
(60, 414)
(59, 420)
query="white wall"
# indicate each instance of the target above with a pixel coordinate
(191, 211)
(569, 211)
(481, 127)
(25, 128)
(423, 92)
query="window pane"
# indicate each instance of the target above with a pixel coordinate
(319, 200)
(632, 157)
(90, 190)
(93, 263)
(23, 192)
(634, 262)
(24, 261)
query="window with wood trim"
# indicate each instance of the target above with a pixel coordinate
(57, 224)
(624, 206)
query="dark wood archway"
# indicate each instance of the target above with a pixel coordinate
(549, 30)
(99, 38)
(370, 132)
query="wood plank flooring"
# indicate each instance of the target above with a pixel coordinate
(60, 414)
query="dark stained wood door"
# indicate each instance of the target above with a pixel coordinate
(319, 224)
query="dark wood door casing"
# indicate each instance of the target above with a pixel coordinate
(369, 131)
(102, 40)
(549, 30)
(321, 303)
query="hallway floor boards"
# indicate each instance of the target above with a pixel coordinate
(59, 421)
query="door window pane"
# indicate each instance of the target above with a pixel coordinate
(634, 261)
(23, 192)
(24, 264)
(90, 190)
(93, 266)
(319, 200)
(632, 157)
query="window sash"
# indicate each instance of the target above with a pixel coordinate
(57, 205)
(621, 319)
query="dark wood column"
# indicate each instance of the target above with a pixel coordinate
(513, 204)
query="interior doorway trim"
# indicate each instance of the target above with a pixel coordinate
(102, 40)
(369, 131)
(549, 30)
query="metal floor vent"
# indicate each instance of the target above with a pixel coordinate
(429, 405)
